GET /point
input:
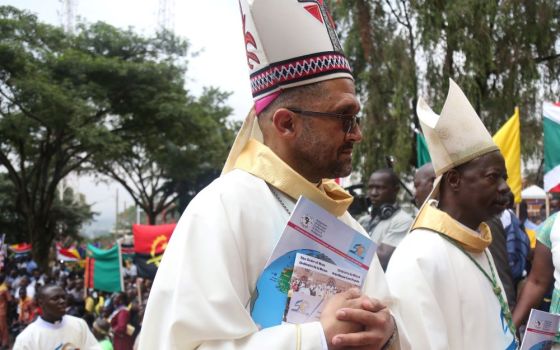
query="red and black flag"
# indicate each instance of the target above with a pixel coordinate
(127, 250)
(150, 242)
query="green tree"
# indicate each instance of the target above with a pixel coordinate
(74, 102)
(502, 53)
(69, 213)
(386, 82)
(156, 169)
(11, 222)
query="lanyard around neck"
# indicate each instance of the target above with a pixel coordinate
(495, 287)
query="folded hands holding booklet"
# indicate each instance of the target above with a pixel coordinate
(316, 257)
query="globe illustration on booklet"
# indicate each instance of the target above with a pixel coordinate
(269, 300)
(545, 345)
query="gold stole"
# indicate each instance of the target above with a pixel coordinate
(259, 160)
(433, 219)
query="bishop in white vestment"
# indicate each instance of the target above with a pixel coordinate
(442, 273)
(306, 104)
(203, 287)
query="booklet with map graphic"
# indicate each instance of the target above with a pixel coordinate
(541, 330)
(313, 282)
(323, 245)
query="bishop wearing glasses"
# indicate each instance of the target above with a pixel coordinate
(299, 137)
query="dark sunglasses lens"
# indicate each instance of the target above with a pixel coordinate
(350, 124)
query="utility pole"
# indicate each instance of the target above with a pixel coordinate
(166, 15)
(117, 212)
(68, 15)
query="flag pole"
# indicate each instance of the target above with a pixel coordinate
(139, 289)
(119, 241)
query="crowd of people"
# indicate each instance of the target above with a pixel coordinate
(114, 319)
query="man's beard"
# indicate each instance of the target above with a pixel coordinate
(312, 152)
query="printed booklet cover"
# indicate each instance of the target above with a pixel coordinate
(313, 282)
(314, 233)
(541, 330)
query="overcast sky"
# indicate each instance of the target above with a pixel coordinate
(213, 28)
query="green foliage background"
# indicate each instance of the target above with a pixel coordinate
(105, 101)
(502, 53)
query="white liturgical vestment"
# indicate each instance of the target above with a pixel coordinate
(70, 333)
(445, 300)
(201, 294)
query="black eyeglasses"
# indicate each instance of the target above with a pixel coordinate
(349, 121)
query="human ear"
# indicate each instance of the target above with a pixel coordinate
(284, 122)
(453, 179)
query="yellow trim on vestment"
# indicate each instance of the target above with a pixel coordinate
(433, 219)
(298, 337)
(259, 160)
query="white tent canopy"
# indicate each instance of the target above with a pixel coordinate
(533, 192)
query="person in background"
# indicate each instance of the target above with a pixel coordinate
(100, 304)
(119, 319)
(498, 249)
(423, 183)
(25, 307)
(509, 248)
(54, 329)
(130, 269)
(5, 299)
(101, 330)
(518, 244)
(28, 285)
(530, 227)
(545, 271)
(89, 302)
(31, 266)
(554, 202)
(386, 222)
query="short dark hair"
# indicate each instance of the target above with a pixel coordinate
(43, 289)
(123, 298)
(292, 96)
(393, 177)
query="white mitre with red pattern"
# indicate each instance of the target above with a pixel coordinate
(289, 43)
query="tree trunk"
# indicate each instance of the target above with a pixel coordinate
(152, 216)
(363, 17)
(41, 236)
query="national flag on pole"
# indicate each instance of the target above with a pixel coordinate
(127, 250)
(551, 125)
(150, 242)
(422, 153)
(103, 270)
(67, 254)
(508, 140)
(20, 248)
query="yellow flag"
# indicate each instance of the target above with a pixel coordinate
(508, 139)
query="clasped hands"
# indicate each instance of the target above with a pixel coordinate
(353, 320)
